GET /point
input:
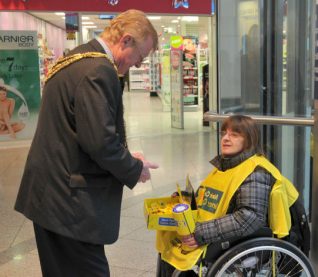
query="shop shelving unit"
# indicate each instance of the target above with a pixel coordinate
(139, 77)
(155, 73)
(190, 88)
(46, 59)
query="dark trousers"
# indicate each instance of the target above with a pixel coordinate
(65, 257)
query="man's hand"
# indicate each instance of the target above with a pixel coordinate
(145, 173)
(138, 156)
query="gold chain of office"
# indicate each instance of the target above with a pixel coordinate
(64, 62)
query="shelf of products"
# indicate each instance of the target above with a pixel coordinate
(155, 72)
(46, 58)
(139, 77)
(190, 74)
(190, 86)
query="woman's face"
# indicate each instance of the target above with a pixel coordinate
(3, 95)
(232, 143)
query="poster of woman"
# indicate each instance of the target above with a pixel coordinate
(7, 105)
(19, 84)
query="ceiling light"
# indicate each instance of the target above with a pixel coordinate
(90, 26)
(88, 23)
(60, 13)
(175, 21)
(190, 18)
(169, 30)
(85, 18)
(154, 17)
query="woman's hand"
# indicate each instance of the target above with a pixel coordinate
(189, 241)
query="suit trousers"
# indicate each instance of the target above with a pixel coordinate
(65, 257)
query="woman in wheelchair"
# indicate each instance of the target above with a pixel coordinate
(233, 203)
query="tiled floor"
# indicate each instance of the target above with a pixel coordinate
(178, 152)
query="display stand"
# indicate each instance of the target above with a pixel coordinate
(177, 105)
(164, 77)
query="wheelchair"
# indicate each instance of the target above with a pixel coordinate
(258, 257)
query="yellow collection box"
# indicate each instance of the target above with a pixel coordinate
(168, 214)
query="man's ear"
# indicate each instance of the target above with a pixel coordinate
(127, 40)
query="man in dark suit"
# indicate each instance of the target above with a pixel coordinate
(79, 161)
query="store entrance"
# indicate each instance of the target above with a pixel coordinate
(154, 76)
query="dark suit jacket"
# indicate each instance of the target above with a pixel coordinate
(77, 165)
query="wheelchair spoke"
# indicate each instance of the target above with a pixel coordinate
(261, 264)
(267, 260)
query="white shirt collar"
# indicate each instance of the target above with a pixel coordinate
(106, 48)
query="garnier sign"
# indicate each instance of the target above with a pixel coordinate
(18, 40)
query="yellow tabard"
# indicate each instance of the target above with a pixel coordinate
(214, 196)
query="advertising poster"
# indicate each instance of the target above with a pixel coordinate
(165, 84)
(19, 84)
(177, 120)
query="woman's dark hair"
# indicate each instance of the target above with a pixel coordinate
(245, 126)
(3, 88)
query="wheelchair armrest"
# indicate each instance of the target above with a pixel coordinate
(263, 232)
(217, 249)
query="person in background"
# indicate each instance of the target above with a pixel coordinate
(233, 200)
(126, 80)
(123, 79)
(122, 82)
(79, 161)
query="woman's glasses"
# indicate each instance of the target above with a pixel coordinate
(232, 135)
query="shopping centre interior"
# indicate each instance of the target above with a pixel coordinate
(179, 152)
(230, 64)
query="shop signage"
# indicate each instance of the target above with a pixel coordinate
(71, 35)
(180, 3)
(113, 2)
(176, 42)
(71, 22)
(213, 7)
(71, 25)
(199, 7)
(19, 84)
(17, 40)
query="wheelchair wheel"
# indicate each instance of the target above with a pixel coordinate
(262, 257)
(178, 273)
